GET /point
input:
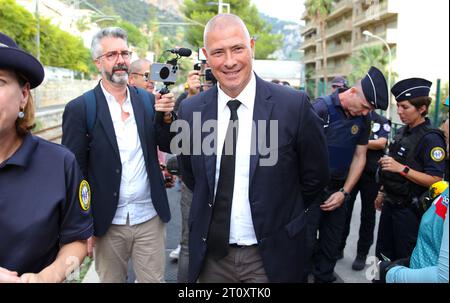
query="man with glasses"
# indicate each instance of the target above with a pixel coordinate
(118, 155)
(347, 127)
(140, 75)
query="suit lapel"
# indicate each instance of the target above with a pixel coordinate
(104, 116)
(209, 112)
(261, 112)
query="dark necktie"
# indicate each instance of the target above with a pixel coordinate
(219, 231)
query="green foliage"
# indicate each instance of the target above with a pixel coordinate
(366, 57)
(201, 12)
(57, 48)
(318, 10)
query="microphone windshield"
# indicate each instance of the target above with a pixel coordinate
(184, 52)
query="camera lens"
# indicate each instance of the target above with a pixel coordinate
(164, 73)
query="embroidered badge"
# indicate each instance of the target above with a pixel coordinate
(387, 127)
(84, 195)
(355, 129)
(376, 127)
(437, 154)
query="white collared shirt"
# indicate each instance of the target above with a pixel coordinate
(135, 202)
(242, 231)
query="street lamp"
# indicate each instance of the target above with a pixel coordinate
(369, 34)
(221, 5)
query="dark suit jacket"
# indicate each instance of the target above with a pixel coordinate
(99, 156)
(279, 194)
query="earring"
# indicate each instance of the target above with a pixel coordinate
(21, 114)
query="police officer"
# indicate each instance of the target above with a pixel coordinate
(347, 130)
(415, 162)
(45, 204)
(368, 188)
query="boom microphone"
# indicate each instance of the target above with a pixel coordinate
(183, 52)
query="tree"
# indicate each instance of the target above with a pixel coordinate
(366, 57)
(201, 12)
(318, 11)
(57, 48)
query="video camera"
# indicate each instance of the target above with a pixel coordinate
(167, 73)
(204, 71)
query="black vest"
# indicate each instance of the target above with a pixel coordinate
(398, 189)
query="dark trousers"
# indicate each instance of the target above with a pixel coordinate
(323, 249)
(397, 232)
(369, 190)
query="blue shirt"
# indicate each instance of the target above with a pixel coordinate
(44, 204)
(321, 109)
(430, 259)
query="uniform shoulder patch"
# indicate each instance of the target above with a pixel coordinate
(387, 127)
(84, 195)
(376, 127)
(437, 154)
(355, 129)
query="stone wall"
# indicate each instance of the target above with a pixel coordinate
(59, 92)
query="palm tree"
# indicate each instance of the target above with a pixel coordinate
(366, 57)
(318, 11)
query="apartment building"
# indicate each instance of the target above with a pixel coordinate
(416, 31)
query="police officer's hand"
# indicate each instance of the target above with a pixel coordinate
(164, 103)
(194, 83)
(7, 276)
(90, 246)
(333, 202)
(389, 164)
(378, 203)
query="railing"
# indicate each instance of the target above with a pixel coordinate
(374, 11)
(53, 133)
(343, 48)
(340, 6)
(344, 26)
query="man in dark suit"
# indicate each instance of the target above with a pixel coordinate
(118, 156)
(249, 208)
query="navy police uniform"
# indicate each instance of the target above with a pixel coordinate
(44, 204)
(343, 135)
(421, 148)
(368, 187)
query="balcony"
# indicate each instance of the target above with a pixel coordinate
(375, 13)
(341, 50)
(310, 42)
(310, 27)
(390, 36)
(340, 28)
(309, 58)
(340, 8)
(339, 70)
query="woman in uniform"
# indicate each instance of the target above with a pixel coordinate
(44, 202)
(415, 162)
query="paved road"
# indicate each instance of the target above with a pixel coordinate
(343, 269)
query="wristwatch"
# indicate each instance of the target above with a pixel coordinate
(405, 171)
(346, 194)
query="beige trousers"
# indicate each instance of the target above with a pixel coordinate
(143, 243)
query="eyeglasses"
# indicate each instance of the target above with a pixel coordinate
(112, 56)
(145, 76)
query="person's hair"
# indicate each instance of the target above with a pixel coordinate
(285, 83)
(230, 20)
(276, 81)
(418, 102)
(26, 124)
(137, 65)
(114, 32)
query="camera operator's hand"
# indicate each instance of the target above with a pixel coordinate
(194, 83)
(165, 103)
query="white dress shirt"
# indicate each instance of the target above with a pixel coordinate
(135, 203)
(242, 231)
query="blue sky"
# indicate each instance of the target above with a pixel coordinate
(290, 10)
